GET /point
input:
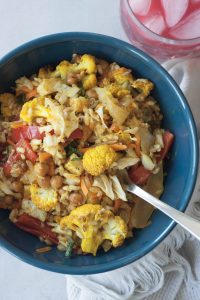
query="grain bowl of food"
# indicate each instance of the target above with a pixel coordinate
(80, 112)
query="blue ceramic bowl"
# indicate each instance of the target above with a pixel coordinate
(182, 167)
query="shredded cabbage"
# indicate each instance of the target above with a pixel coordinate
(111, 186)
(99, 111)
(117, 112)
(125, 162)
(104, 183)
(147, 139)
(117, 188)
(29, 207)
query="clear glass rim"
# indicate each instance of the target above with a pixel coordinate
(186, 42)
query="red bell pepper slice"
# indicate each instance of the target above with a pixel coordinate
(13, 157)
(26, 132)
(139, 175)
(168, 139)
(36, 227)
(77, 134)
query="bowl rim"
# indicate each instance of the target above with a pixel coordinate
(116, 43)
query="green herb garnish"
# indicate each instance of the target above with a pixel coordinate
(72, 148)
(69, 248)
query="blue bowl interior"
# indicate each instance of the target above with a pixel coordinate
(182, 166)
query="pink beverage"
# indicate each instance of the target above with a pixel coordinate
(163, 28)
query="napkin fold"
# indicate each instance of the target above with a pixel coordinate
(172, 270)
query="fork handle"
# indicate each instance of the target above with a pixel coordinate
(190, 224)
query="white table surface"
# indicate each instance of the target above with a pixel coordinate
(21, 21)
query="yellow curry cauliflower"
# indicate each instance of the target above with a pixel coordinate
(74, 165)
(98, 159)
(87, 64)
(117, 91)
(143, 85)
(45, 199)
(94, 224)
(33, 109)
(121, 75)
(63, 69)
(89, 81)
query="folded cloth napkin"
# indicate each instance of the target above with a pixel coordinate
(172, 270)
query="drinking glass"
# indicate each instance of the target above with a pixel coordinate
(172, 35)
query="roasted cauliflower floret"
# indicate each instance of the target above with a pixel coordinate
(144, 86)
(74, 165)
(33, 109)
(45, 199)
(115, 230)
(118, 91)
(9, 106)
(93, 224)
(87, 64)
(89, 81)
(121, 75)
(63, 69)
(98, 159)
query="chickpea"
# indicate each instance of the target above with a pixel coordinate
(92, 94)
(18, 168)
(8, 199)
(103, 63)
(72, 79)
(51, 171)
(100, 69)
(76, 58)
(76, 199)
(71, 207)
(56, 182)
(107, 201)
(41, 169)
(17, 186)
(95, 195)
(41, 121)
(44, 157)
(44, 182)
(80, 75)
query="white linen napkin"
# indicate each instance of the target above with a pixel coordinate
(172, 270)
